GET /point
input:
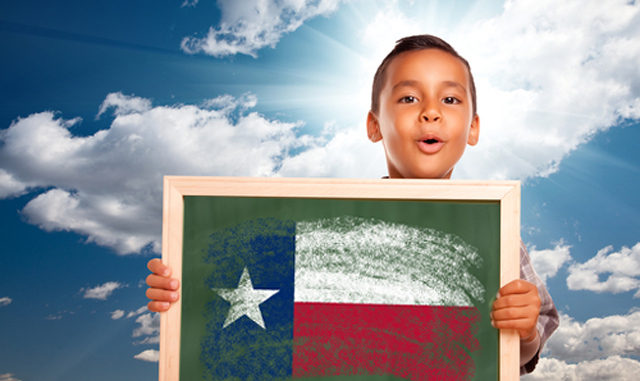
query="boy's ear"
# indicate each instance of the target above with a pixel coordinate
(474, 131)
(373, 128)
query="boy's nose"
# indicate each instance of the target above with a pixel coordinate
(430, 115)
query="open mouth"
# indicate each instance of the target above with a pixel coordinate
(430, 145)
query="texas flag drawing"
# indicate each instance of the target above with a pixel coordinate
(340, 298)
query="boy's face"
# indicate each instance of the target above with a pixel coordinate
(425, 118)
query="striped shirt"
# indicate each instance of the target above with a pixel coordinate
(548, 319)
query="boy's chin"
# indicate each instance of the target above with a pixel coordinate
(421, 173)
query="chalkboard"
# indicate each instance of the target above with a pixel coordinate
(338, 279)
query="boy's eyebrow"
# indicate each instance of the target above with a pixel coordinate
(414, 83)
(455, 84)
(405, 83)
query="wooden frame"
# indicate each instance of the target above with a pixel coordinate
(506, 193)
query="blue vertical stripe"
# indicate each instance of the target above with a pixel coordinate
(244, 350)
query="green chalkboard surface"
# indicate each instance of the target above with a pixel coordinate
(330, 288)
(242, 221)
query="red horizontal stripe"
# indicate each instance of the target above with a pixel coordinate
(413, 342)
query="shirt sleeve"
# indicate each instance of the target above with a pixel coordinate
(548, 319)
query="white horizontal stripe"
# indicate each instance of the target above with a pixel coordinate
(357, 260)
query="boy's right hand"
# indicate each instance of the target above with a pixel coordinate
(163, 290)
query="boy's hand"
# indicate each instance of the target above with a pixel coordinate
(517, 307)
(163, 290)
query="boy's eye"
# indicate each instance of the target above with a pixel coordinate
(451, 100)
(408, 99)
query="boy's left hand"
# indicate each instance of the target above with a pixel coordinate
(517, 307)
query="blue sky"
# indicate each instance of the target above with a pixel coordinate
(99, 101)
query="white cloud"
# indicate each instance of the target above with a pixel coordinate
(103, 291)
(547, 262)
(9, 186)
(137, 312)
(8, 377)
(597, 338)
(124, 104)
(117, 314)
(598, 349)
(347, 153)
(148, 340)
(150, 355)
(108, 186)
(149, 325)
(5, 301)
(614, 368)
(549, 78)
(388, 25)
(608, 271)
(248, 26)
(189, 3)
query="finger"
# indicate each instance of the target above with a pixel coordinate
(156, 281)
(515, 313)
(517, 300)
(158, 306)
(523, 326)
(517, 286)
(162, 295)
(157, 267)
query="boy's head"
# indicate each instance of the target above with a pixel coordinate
(423, 108)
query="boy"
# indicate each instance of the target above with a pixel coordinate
(423, 109)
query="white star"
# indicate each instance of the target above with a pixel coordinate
(245, 300)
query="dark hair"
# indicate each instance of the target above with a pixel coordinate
(407, 44)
